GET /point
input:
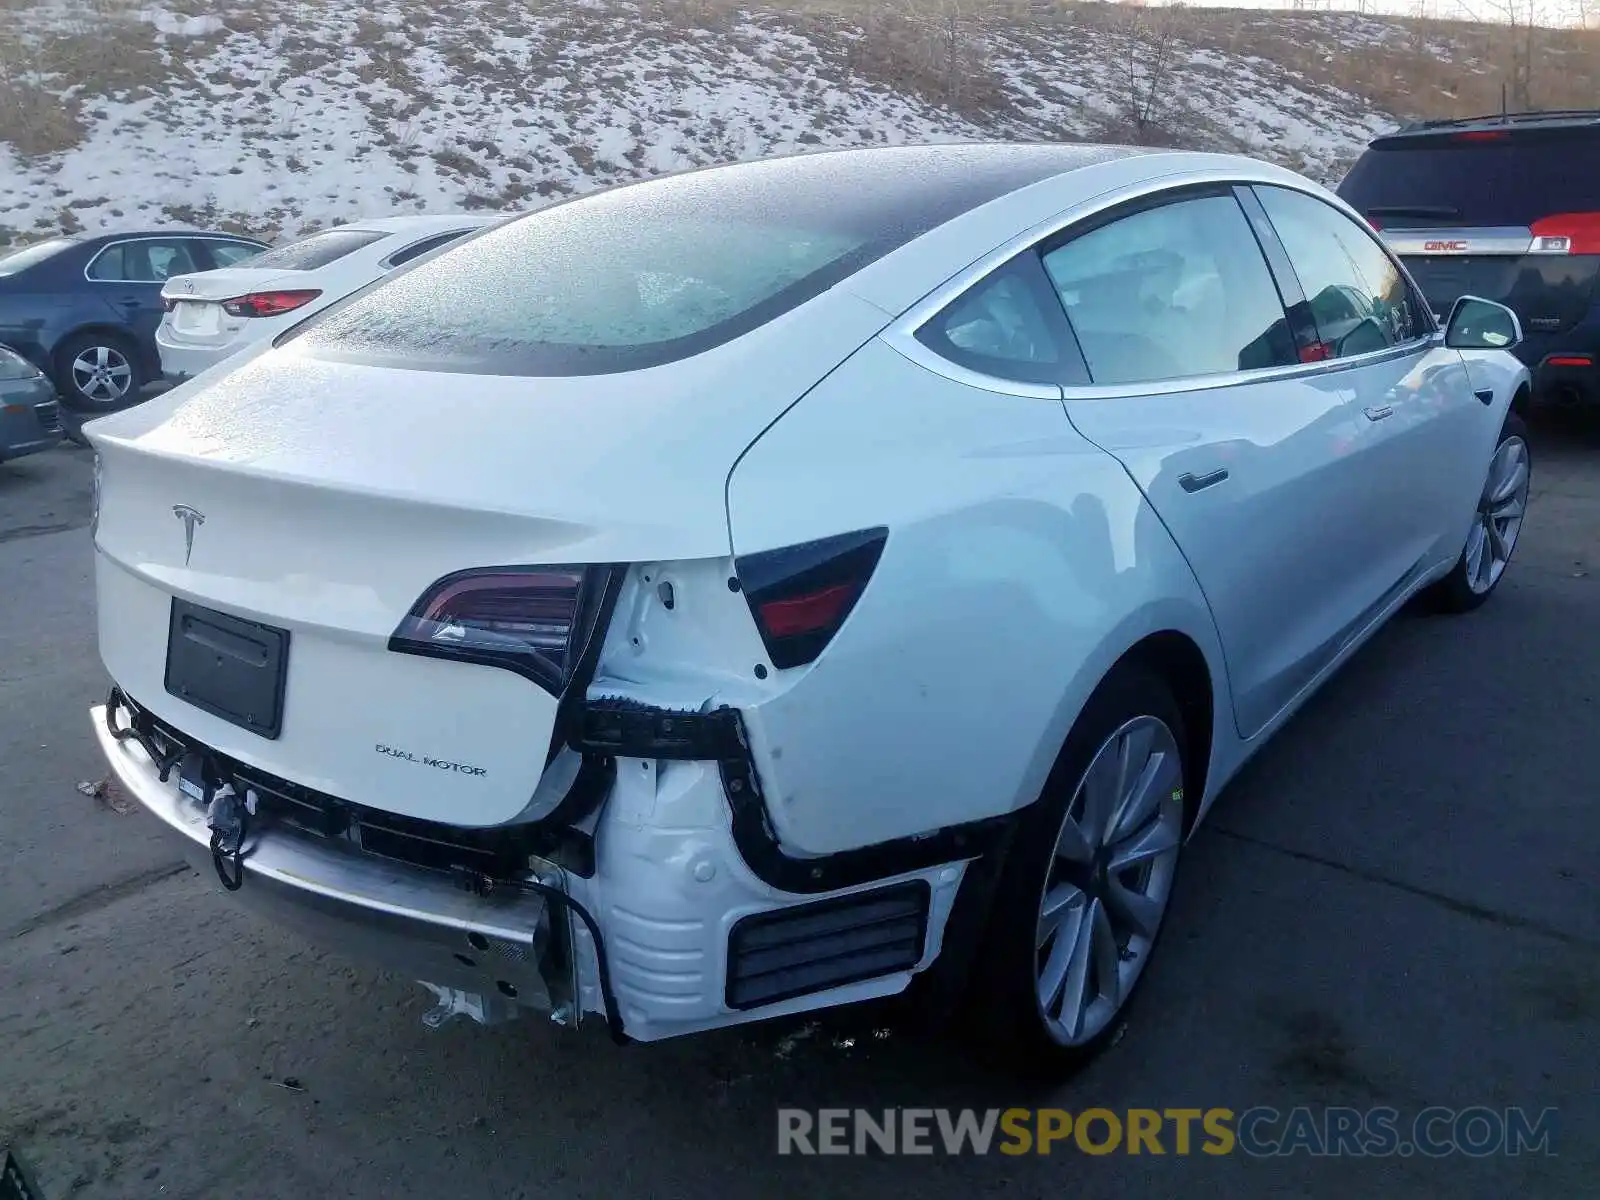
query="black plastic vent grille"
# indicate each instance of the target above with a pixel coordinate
(789, 952)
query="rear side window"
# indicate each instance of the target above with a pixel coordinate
(318, 250)
(147, 260)
(1476, 182)
(418, 249)
(1171, 292)
(21, 260)
(1359, 299)
(1009, 326)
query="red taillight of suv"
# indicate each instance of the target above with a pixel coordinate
(800, 595)
(531, 620)
(268, 304)
(1567, 233)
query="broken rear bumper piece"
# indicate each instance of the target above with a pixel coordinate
(679, 912)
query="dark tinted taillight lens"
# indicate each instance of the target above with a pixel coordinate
(801, 595)
(531, 620)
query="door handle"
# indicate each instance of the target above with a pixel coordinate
(1379, 413)
(1486, 395)
(1194, 483)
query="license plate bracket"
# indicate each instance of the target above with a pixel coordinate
(229, 667)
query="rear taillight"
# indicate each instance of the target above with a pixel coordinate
(268, 304)
(1566, 233)
(168, 303)
(801, 595)
(532, 620)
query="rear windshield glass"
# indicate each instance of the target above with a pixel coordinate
(653, 272)
(318, 250)
(21, 260)
(1475, 183)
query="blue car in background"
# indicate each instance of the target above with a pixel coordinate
(84, 310)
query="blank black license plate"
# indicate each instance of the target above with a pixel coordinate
(232, 668)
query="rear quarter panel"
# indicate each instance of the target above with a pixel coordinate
(1021, 563)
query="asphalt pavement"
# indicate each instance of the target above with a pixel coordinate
(1396, 905)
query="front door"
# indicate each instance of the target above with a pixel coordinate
(1421, 420)
(1249, 456)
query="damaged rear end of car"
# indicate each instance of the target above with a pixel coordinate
(430, 636)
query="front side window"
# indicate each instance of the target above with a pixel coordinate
(15, 261)
(148, 260)
(1008, 325)
(1358, 297)
(1172, 292)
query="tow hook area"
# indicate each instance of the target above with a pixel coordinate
(453, 1002)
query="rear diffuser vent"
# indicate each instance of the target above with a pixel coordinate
(789, 952)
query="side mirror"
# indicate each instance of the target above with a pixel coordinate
(1477, 324)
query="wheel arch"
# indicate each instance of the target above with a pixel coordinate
(1177, 659)
(96, 328)
(1522, 399)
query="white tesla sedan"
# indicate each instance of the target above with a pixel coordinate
(877, 563)
(212, 315)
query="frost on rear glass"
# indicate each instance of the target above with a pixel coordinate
(641, 275)
(315, 251)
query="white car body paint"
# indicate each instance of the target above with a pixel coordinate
(1037, 533)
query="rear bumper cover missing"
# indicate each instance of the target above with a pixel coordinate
(669, 892)
(419, 923)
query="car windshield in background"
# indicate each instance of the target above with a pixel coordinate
(1461, 181)
(315, 251)
(21, 260)
(653, 272)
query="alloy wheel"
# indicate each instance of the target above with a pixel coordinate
(102, 374)
(1109, 880)
(1499, 518)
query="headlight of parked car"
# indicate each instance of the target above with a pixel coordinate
(14, 366)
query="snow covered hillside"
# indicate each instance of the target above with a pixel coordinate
(284, 114)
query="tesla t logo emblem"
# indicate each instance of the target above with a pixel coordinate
(1444, 247)
(192, 518)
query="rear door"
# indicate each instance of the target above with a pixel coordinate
(1510, 214)
(1247, 454)
(1421, 425)
(129, 275)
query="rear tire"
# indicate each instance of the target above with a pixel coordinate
(98, 373)
(1080, 904)
(1496, 525)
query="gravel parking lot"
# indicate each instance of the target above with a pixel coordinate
(1397, 905)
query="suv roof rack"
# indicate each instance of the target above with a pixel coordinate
(1533, 117)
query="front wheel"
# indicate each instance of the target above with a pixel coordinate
(1082, 899)
(1496, 524)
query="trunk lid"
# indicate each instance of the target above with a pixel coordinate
(325, 498)
(227, 282)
